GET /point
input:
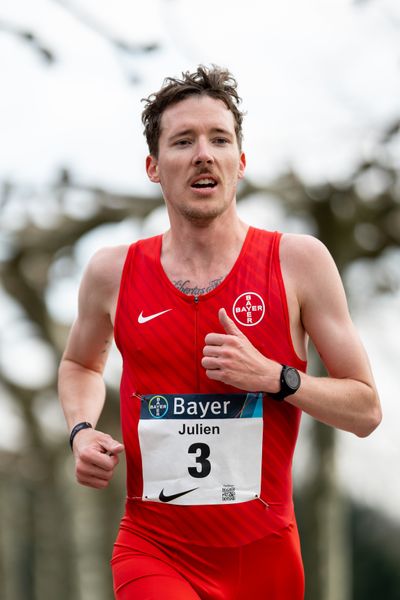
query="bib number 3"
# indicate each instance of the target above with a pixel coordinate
(203, 467)
(199, 449)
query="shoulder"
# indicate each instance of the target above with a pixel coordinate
(104, 269)
(302, 246)
(299, 251)
(308, 265)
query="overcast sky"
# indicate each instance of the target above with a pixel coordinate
(320, 80)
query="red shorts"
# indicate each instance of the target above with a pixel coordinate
(270, 569)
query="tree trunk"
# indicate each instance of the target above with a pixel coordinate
(327, 553)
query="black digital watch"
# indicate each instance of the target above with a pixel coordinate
(290, 383)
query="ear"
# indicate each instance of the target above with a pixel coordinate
(152, 169)
(242, 165)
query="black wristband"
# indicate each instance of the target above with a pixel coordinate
(76, 429)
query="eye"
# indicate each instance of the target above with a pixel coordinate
(220, 141)
(182, 143)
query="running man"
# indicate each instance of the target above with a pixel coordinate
(212, 320)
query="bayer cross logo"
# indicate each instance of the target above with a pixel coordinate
(249, 309)
(158, 407)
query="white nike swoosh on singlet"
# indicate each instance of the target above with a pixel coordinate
(142, 319)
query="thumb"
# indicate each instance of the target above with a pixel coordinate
(111, 446)
(227, 323)
(117, 449)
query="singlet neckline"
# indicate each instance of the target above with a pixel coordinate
(202, 297)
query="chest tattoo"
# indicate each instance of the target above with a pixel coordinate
(187, 287)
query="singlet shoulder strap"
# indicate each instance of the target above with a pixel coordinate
(149, 247)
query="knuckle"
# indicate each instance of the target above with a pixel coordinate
(108, 472)
(84, 455)
(79, 470)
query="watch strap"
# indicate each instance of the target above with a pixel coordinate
(76, 429)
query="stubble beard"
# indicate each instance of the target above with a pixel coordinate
(201, 215)
(201, 218)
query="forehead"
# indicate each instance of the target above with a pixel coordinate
(197, 113)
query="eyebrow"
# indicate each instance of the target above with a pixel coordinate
(190, 131)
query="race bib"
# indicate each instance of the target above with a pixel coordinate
(201, 448)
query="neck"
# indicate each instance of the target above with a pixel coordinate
(202, 245)
(202, 254)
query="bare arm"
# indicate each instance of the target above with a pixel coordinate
(81, 384)
(347, 399)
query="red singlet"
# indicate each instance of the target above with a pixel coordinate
(193, 541)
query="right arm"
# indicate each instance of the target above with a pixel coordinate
(81, 385)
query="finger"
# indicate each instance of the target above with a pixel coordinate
(215, 374)
(215, 339)
(89, 461)
(86, 471)
(98, 457)
(210, 362)
(116, 450)
(212, 351)
(227, 323)
(111, 446)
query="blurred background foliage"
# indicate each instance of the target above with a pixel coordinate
(55, 536)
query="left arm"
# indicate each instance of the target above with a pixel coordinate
(347, 399)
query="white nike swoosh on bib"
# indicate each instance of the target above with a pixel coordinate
(142, 319)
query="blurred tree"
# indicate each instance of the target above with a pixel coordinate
(44, 536)
(376, 543)
(34, 501)
(355, 221)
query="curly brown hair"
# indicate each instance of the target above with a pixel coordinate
(215, 82)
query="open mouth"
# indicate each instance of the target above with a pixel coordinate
(205, 183)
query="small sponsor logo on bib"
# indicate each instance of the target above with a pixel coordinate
(249, 309)
(158, 407)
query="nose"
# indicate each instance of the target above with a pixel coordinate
(203, 153)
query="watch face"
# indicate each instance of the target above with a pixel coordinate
(292, 378)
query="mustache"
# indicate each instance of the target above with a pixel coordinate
(204, 171)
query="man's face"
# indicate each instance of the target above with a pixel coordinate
(199, 162)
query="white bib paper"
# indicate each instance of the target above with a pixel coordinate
(201, 448)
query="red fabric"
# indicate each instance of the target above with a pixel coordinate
(268, 569)
(163, 356)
